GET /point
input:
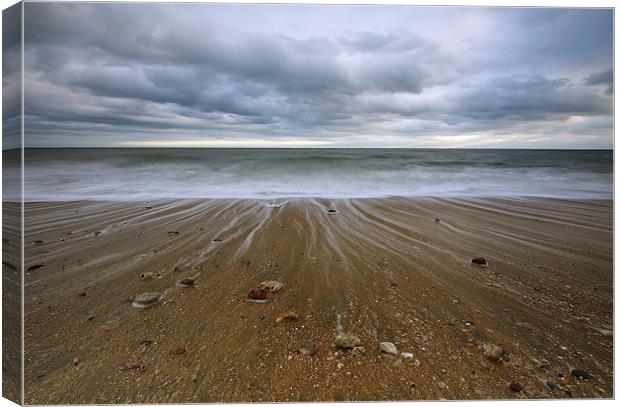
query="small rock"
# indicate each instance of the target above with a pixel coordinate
(347, 341)
(580, 374)
(406, 355)
(38, 242)
(442, 385)
(417, 363)
(217, 240)
(173, 232)
(551, 385)
(186, 282)
(148, 207)
(305, 348)
(179, 351)
(605, 332)
(76, 361)
(516, 387)
(146, 276)
(262, 316)
(493, 352)
(479, 261)
(358, 351)
(468, 322)
(272, 286)
(437, 220)
(287, 316)
(332, 211)
(146, 342)
(35, 267)
(541, 364)
(146, 299)
(90, 317)
(82, 294)
(257, 295)
(389, 348)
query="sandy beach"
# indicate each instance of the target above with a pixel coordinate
(395, 270)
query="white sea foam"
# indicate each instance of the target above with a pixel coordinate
(139, 174)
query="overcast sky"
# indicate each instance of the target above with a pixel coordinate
(317, 76)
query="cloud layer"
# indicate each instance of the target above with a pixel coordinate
(346, 76)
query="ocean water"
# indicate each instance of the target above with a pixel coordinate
(143, 174)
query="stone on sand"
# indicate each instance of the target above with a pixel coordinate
(479, 261)
(287, 316)
(186, 282)
(257, 294)
(148, 298)
(347, 341)
(271, 285)
(389, 348)
(493, 352)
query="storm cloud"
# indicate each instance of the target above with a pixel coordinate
(294, 75)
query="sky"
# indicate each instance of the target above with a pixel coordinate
(222, 75)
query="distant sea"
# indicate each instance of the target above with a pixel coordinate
(143, 174)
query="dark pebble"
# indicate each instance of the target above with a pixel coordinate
(580, 374)
(480, 261)
(82, 294)
(257, 294)
(516, 387)
(186, 282)
(262, 316)
(146, 342)
(35, 267)
(332, 211)
(91, 317)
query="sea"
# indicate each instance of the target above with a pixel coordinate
(157, 173)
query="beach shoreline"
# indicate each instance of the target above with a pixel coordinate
(394, 269)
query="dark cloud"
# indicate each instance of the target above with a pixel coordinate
(602, 78)
(117, 73)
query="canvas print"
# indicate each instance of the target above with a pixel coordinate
(292, 202)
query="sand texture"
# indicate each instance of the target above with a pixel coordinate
(394, 270)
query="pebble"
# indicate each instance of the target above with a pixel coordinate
(358, 351)
(186, 282)
(541, 364)
(146, 276)
(580, 374)
(442, 385)
(272, 286)
(91, 317)
(468, 322)
(147, 299)
(389, 348)
(179, 351)
(146, 342)
(605, 332)
(262, 316)
(516, 387)
(347, 341)
(480, 261)
(551, 385)
(417, 363)
(306, 348)
(287, 316)
(257, 295)
(406, 355)
(493, 352)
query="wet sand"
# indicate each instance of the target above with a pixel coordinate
(386, 266)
